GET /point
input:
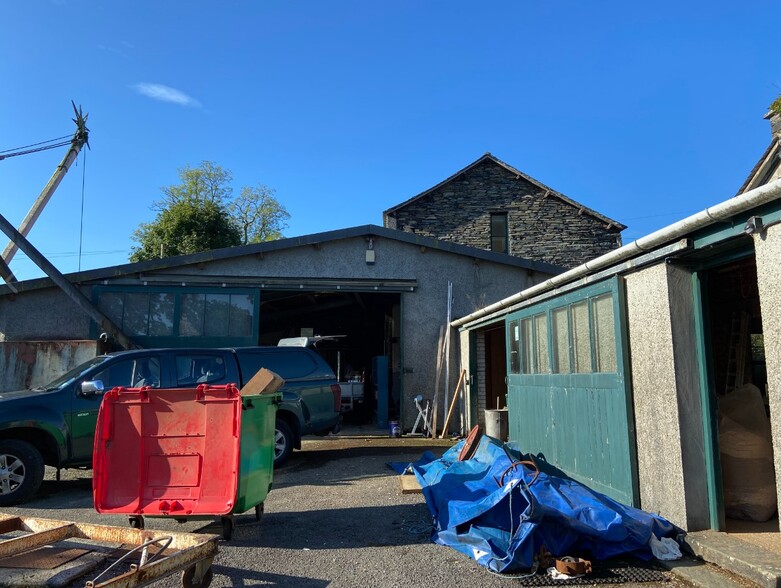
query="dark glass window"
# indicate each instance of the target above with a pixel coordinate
(499, 233)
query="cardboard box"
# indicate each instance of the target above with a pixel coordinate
(264, 382)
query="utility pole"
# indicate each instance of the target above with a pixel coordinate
(80, 138)
(76, 295)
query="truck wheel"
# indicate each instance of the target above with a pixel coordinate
(283, 442)
(21, 471)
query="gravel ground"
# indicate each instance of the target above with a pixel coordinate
(336, 517)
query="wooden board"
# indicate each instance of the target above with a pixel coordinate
(410, 485)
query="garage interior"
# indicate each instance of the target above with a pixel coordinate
(367, 326)
(739, 383)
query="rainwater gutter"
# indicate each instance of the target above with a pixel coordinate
(717, 213)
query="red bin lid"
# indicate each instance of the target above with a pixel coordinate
(167, 451)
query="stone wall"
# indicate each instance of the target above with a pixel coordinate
(542, 228)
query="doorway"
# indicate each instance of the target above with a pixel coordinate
(741, 473)
(495, 369)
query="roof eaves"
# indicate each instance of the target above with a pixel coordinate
(282, 244)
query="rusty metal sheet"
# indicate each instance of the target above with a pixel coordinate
(187, 550)
(43, 558)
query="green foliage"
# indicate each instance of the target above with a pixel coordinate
(187, 226)
(776, 106)
(208, 182)
(200, 213)
(258, 214)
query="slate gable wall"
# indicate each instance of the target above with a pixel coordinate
(540, 228)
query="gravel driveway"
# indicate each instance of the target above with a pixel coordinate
(336, 517)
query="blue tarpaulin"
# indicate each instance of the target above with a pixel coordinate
(502, 512)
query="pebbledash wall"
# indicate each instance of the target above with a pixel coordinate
(542, 224)
(41, 311)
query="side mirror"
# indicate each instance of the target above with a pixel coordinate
(92, 388)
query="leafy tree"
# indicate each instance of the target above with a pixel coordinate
(258, 214)
(185, 227)
(200, 213)
(208, 182)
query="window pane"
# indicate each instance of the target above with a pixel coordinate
(542, 365)
(499, 232)
(136, 314)
(581, 340)
(604, 333)
(526, 346)
(199, 369)
(161, 314)
(191, 321)
(515, 347)
(146, 372)
(112, 304)
(560, 341)
(119, 374)
(241, 315)
(216, 316)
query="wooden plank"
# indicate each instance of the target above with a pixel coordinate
(410, 485)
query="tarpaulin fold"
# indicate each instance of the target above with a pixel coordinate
(501, 512)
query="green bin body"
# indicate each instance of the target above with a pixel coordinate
(256, 453)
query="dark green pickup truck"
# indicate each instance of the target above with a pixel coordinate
(54, 425)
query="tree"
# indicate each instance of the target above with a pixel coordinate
(187, 226)
(208, 182)
(200, 213)
(258, 214)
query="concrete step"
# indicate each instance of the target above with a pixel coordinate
(749, 561)
(697, 573)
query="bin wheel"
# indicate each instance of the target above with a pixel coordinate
(227, 528)
(136, 522)
(189, 573)
(259, 511)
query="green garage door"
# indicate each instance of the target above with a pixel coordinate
(568, 396)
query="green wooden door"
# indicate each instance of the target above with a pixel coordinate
(568, 396)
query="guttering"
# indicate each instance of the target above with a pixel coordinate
(720, 212)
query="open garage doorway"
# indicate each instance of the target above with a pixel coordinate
(368, 325)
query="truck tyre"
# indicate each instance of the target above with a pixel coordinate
(283, 442)
(21, 471)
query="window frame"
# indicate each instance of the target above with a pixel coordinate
(175, 339)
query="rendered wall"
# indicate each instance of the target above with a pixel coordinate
(48, 314)
(768, 254)
(665, 387)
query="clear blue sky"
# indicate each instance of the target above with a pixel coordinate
(646, 112)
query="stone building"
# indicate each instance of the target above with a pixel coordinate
(491, 205)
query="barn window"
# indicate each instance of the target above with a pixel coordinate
(499, 232)
(227, 317)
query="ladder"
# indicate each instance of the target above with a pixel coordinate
(738, 345)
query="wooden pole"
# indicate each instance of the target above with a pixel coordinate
(71, 291)
(435, 398)
(80, 138)
(453, 403)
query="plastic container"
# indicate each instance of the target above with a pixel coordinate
(256, 467)
(394, 430)
(183, 452)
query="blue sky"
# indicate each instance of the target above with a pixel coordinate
(646, 112)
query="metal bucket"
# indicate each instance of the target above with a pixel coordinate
(394, 430)
(496, 423)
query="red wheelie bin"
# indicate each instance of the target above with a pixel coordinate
(183, 453)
